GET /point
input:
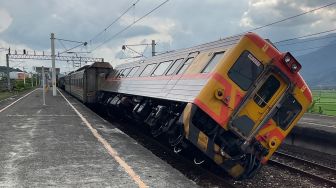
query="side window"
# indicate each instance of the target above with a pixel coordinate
(245, 70)
(161, 68)
(266, 91)
(185, 65)
(125, 73)
(174, 66)
(120, 73)
(133, 71)
(148, 69)
(213, 62)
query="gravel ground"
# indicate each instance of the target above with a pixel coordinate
(269, 176)
(273, 176)
(311, 155)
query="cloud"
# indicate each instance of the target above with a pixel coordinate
(175, 25)
(262, 12)
(5, 20)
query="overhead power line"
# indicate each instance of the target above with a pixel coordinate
(66, 40)
(307, 40)
(130, 25)
(114, 21)
(291, 17)
(311, 48)
(305, 36)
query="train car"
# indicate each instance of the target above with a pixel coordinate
(83, 83)
(61, 82)
(235, 99)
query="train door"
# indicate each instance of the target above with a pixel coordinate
(91, 85)
(252, 114)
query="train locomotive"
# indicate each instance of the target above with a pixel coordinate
(234, 100)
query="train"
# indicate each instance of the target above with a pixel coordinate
(233, 100)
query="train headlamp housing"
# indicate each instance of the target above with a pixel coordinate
(291, 63)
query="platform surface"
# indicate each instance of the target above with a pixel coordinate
(53, 145)
(318, 122)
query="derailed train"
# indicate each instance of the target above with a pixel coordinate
(235, 99)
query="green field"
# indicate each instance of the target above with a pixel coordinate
(324, 102)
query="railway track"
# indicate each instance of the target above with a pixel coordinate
(201, 176)
(323, 174)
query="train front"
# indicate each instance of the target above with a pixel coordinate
(254, 98)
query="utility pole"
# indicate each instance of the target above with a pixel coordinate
(153, 47)
(8, 74)
(43, 85)
(32, 79)
(24, 77)
(53, 73)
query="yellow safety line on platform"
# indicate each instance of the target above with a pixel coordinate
(109, 148)
(17, 100)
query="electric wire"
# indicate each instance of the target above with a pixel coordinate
(311, 48)
(71, 48)
(66, 40)
(291, 17)
(114, 21)
(130, 25)
(305, 36)
(308, 40)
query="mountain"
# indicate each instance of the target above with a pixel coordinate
(318, 64)
(4, 69)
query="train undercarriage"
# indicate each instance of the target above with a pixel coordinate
(167, 119)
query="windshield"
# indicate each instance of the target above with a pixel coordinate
(288, 111)
(245, 70)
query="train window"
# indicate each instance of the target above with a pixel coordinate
(174, 66)
(120, 73)
(287, 112)
(185, 65)
(213, 62)
(161, 68)
(246, 70)
(148, 69)
(266, 91)
(133, 71)
(125, 72)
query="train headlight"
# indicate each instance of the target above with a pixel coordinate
(291, 63)
(294, 67)
(287, 59)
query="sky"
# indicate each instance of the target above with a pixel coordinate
(176, 24)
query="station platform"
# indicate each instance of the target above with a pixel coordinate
(63, 143)
(316, 121)
(315, 132)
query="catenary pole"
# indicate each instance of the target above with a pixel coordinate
(43, 85)
(8, 73)
(153, 47)
(53, 73)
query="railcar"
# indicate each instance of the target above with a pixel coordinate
(83, 83)
(235, 99)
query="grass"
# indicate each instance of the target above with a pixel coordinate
(6, 94)
(19, 87)
(324, 102)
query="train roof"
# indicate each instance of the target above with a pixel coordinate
(225, 42)
(94, 65)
